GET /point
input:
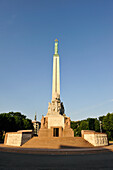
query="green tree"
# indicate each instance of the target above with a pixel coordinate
(83, 126)
(27, 124)
(94, 124)
(75, 126)
(91, 123)
(12, 122)
(97, 125)
(107, 124)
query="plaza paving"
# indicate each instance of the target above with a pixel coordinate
(36, 161)
(75, 158)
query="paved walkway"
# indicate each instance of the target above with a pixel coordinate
(5, 148)
(16, 158)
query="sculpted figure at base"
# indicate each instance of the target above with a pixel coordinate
(44, 122)
(67, 122)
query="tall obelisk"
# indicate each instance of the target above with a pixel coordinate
(55, 123)
(56, 74)
(56, 106)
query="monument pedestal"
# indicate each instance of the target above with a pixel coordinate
(68, 133)
(45, 133)
(56, 132)
(55, 126)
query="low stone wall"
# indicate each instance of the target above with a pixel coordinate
(95, 138)
(18, 138)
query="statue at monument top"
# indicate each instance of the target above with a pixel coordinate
(56, 47)
(56, 39)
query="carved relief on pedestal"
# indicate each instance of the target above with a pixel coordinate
(67, 122)
(55, 107)
(44, 122)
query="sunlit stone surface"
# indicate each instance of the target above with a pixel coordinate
(18, 138)
(55, 123)
(95, 138)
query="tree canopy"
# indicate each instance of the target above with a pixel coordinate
(12, 122)
(106, 122)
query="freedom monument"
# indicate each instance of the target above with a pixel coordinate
(55, 131)
(56, 123)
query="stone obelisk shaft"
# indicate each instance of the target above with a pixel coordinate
(56, 74)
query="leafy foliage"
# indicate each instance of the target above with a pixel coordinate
(12, 122)
(97, 125)
(107, 125)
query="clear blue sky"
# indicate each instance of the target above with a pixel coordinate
(84, 29)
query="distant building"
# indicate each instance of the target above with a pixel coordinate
(36, 125)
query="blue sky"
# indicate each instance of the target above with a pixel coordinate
(84, 29)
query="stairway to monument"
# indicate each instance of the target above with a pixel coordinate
(57, 143)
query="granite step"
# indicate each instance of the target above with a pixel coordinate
(57, 142)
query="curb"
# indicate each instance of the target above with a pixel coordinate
(54, 151)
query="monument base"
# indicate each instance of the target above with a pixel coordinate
(45, 133)
(68, 132)
(18, 138)
(55, 126)
(56, 132)
(95, 138)
(57, 143)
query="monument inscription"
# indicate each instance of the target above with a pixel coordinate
(55, 121)
(14, 139)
